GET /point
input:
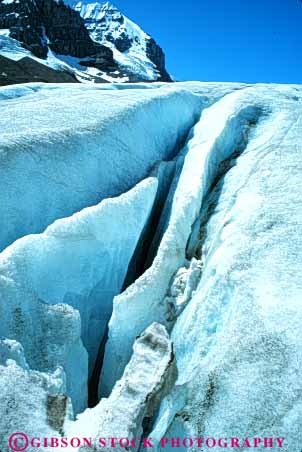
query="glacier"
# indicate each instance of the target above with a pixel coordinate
(151, 239)
(80, 148)
(149, 374)
(261, 123)
(67, 275)
(22, 389)
(196, 176)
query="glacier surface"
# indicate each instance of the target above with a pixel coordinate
(149, 374)
(29, 400)
(68, 147)
(238, 341)
(57, 287)
(202, 260)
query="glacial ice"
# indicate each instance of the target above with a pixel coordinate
(136, 396)
(49, 334)
(238, 342)
(77, 266)
(68, 147)
(143, 301)
(29, 400)
(222, 264)
(241, 305)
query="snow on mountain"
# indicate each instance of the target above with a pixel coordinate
(215, 258)
(101, 46)
(13, 49)
(135, 51)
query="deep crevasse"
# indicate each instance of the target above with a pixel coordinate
(257, 126)
(238, 342)
(57, 287)
(65, 148)
(219, 132)
(227, 244)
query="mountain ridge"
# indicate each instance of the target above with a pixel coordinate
(92, 41)
(131, 46)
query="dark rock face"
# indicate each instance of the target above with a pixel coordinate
(39, 24)
(157, 56)
(28, 70)
(65, 30)
(123, 42)
(25, 25)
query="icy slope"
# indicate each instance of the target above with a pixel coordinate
(84, 145)
(11, 48)
(218, 260)
(23, 388)
(238, 342)
(150, 373)
(33, 68)
(64, 281)
(193, 184)
(26, 67)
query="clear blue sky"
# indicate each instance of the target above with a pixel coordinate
(225, 40)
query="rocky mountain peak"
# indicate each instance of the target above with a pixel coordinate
(90, 37)
(49, 24)
(136, 51)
